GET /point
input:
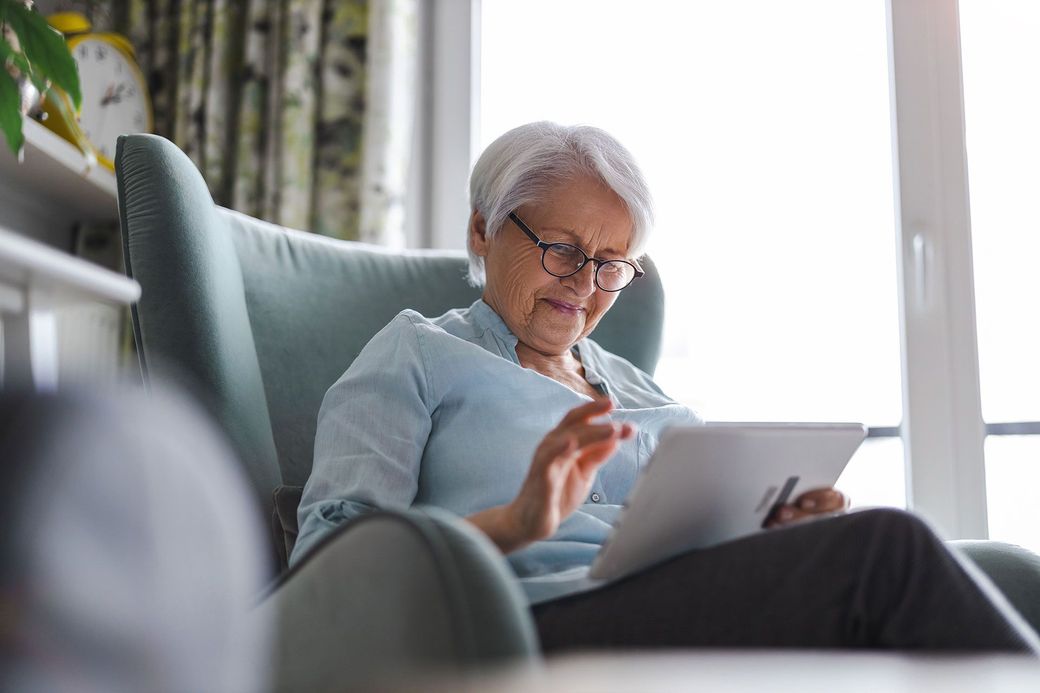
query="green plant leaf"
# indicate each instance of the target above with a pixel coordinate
(17, 59)
(44, 48)
(10, 115)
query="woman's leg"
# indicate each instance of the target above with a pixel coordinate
(873, 578)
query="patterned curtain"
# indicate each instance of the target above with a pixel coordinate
(270, 99)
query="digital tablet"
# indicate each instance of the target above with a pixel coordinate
(707, 484)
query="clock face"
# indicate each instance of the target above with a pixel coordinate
(115, 101)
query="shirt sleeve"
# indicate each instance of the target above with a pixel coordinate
(372, 429)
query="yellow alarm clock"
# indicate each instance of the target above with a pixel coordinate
(115, 93)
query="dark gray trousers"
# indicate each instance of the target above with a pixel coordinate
(873, 578)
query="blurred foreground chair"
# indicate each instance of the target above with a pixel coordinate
(262, 320)
(131, 552)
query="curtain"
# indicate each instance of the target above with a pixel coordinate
(277, 104)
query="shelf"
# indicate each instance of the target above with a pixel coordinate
(53, 173)
(55, 277)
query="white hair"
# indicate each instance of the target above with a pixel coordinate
(524, 165)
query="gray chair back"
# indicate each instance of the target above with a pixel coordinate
(263, 319)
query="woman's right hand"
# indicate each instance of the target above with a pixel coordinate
(559, 480)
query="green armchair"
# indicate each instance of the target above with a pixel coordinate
(260, 320)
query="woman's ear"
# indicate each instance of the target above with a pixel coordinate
(478, 239)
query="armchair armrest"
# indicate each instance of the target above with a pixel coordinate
(392, 593)
(1014, 570)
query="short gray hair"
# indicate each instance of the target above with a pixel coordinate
(523, 165)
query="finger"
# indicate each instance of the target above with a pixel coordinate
(559, 459)
(599, 451)
(593, 456)
(822, 500)
(590, 434)
(568, 446)
(784, 515)
(555, 448)
(583, 435)
(597, 407)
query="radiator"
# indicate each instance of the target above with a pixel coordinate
(93, 345)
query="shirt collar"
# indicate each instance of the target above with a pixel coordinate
(485, 318)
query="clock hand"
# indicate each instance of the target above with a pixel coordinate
(113, 95)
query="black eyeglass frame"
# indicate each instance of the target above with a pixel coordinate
(587, 258)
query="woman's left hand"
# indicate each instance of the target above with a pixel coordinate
(819, 501)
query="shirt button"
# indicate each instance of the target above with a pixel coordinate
(596, 497)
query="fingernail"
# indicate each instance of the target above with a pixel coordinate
(808, 504)
(786, 514)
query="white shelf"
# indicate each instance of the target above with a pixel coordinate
(56, 277)
(54, 174)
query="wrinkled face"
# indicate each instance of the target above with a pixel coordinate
(546, 313)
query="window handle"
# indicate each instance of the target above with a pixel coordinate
(922, 261)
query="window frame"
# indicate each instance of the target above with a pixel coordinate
(452, 52)
(942, 429)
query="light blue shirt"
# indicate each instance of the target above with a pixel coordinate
(440, 412)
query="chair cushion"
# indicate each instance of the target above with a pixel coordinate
(284, 527)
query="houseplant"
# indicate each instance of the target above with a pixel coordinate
(33, 55)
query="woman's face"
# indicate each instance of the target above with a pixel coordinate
(550, 314)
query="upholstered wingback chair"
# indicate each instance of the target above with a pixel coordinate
(259, 321)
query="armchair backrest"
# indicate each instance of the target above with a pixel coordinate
(263, 319)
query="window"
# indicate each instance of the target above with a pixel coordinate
(764, 131)
(762, 128)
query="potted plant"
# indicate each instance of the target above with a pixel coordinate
(33, 57)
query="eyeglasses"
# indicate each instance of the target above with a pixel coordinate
(564, 259)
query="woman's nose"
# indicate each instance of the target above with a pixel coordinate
(582, 282)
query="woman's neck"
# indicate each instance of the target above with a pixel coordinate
(545, 363)
(563, 368)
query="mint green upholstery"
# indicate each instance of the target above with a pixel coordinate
(448, 605)
(1014, 570)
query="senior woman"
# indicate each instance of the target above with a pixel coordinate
(508, 415)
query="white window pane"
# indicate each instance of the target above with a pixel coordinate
(763, 129)
(1002, 111)
(876, 475)
(1012, 477)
